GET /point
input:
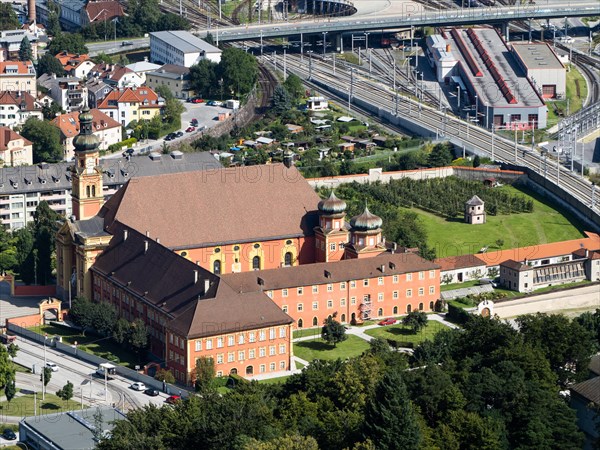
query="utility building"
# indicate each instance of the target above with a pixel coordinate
(543, 68)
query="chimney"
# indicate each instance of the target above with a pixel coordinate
(147, 233)
(448, 48)
(382, 268)
(394, 247)
(587, 253)
(31, 11)
(145, 247)
(158, 240)
(125, 234)
(206, 285)
(195, 276)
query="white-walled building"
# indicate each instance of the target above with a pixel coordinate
(543, 68)
(15, 150)
(181, 48)
(440, 57)
(18, 76)
(16, 107)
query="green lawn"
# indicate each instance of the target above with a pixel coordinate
(304, 332)
(319, 349)
(22, 405)
(575, 101)
(20, 368)
(404, 334)
(275, 380)
(103, 347)
(451, 237)
(452, 286)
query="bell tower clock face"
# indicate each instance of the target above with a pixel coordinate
(89, 165)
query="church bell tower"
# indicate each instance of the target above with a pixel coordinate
(87, 195)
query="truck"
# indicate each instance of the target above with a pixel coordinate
(232, 104)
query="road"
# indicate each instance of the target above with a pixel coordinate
(110, 47)
(80, 374)
(575, 299)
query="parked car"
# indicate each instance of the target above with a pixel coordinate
(194, 122)
(138, 386)
(151, 392)
(190, 129)
(197, 100)
(173, 399)
(211, 103)
(126, 43)
(9, 435)
(388, 321)
(170, 136)
(179, 134)
(52, 366)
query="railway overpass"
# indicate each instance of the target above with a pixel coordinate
(437, 18)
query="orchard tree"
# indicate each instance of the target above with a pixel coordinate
(333, 331)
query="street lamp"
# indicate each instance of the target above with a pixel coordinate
(367, 39)
(458, 97)
(477, 109)
(324, 41)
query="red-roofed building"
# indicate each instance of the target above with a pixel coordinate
(108, 130)
(74, 64)
(116, 75)
(17, 107)
(15, 150)
(126, 105)
(101, 11)
(18, 76)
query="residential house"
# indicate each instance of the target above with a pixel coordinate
(10, 43)
(16, 107)
(75, 65)
(142, 68)
(294, 129)
(18, 76)
(130, 104)
(15, 150)
(175, 78)
(116, 75)
(101, 11)
(97, 91)
(108, 130)
(68, 92)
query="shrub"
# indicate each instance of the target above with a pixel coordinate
(457, 314)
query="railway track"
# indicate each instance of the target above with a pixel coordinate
(448, 126)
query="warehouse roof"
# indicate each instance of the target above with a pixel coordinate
(185, 41)
(537, 55)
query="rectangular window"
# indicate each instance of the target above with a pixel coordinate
(421, 291)
(409, 292)
(241, 339)
(421, 275)
(365, 282)
(282, 332)
(284, 293)
(315, 289)
(251, 354)
(353, 300)
(262, 368)
(220, 358)
(409, 277)
(352, 284)
(282, 349)
(282, 365)
(252, 336)
(330, 288)
(262, 335)
(380, 281)
(395, 278)
(262, 352)
(380, 297)
(198, 345)
(342, 302)
(342, 285)
(272, 367)
(219, 342)
(432, 274)
(300, 291)
(332, 247)
(271, 350)
(209, 344)
(315, 306)
(300, 307)
(230, 341)
(241, 356)
(272, 333)
(432, 289)
(395, 295)
(329, 304)
(230, 357)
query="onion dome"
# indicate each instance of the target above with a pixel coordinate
(332, 205)
(366, 221)
(86, 141)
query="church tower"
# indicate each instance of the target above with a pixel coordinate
(365, 236)
(331, 234)
(87, 195)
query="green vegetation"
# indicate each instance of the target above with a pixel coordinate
(319, 349)
(45, 138)
(100, 346)
(22, 404)
(576, 95)
(277, 380)
(404, 333)
(9, 20)
(305, 332)
(452, 286)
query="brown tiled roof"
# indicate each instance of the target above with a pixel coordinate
(22, 67)
(515, 265)
(131, 95)
(589, 390)
(591, 254)
(166, 280)
(542, 250)
(71, 60)
(215, 207)
(110, 71)
(7, 135)
(332, 272)
(17, 98)
(69, 123)
(100, 11)
(459, 262)
(174, 68)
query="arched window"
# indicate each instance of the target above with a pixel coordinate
(233, 371)
(420, 306)
(300, 323)
(431, 306)
(315, 321)
(87, 191)
(395, 310)
(287, 259)
(217, 267)
(380, 312)
(343, 318)
(93, 190)
(408, 308)
(249, 370)
(256, 263)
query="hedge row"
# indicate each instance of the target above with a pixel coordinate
(119, 145)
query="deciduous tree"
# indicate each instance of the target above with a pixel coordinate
(45, 138)
(49, 64)
(204, 374)
(9, 20)
(66, 393)
(416, 320)
(10, 390)
(333, 331)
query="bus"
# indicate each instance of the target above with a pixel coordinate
(106, 370)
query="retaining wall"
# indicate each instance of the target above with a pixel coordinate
(46, 291)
